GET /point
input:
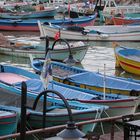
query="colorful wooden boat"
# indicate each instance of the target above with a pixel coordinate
(128, 59)
(23, 47)
(125, 20)
(11, 81)
(112, 8)
(31, 24)
(8, 120)
(55, 114)
(59, 115)
(91, 33)
(89, 80)
(82, 8)
(118, 104)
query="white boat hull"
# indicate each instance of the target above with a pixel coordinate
(121, 107)
(117, 29)
(72, 35)
(57, 54)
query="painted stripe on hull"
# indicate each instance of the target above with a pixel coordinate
(109, 101)
(117, 107)
(130, 65)
(35, 27)
(78, 119)
(2, 123)
(20, 28)
(121, 21)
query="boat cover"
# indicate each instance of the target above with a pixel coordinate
(33, 85)
(36, 86)
(70, 93)
(96, 79)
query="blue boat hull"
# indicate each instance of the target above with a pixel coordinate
(8, 120)
(91, 80)
(34, 87)
(32, 25)
(117, 103)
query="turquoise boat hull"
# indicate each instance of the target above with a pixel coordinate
(81, 111)
(8, 120)
(27, 15)
(32, 25)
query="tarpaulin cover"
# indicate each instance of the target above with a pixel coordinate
(35, 85)
(96, 79)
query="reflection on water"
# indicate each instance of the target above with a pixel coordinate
(98, 54)
(101, 53)
(121, 73)
(15, 61)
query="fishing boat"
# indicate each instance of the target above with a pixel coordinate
(125, 20)
(119, 33)
(111, 29)
(11, 81)
(112, 8)
(8, 121)
(31, 24)
(77, 8)
(58, 115)
(118, 104)
(23, 46)
(83, 8)
(11, 4)
(28, 11)
(89, 80)
(127, 58)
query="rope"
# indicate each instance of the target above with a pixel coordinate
(115, 124)
(28, 127)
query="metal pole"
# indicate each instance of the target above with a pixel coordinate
(112, 130)
(104, 80)
(23, 111)
(46, 45)
(44, 111)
